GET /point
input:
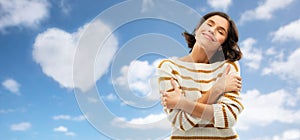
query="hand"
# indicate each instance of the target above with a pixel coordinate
(227, 82)
(172, 99)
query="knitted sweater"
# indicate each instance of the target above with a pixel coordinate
(195, 79)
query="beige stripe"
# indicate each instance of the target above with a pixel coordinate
(164, 78)
(185, 88)
(234, 65)
(202, 71)
(233, 92)
(190, 89)
(231, 110)
(239, 110)
(197, 81)
(170, 90)
(204, 137)
(188, 119)
(174, 120)
(180, 121)
(204, 125)
(225, 116)
(234, 99)
(189, 69)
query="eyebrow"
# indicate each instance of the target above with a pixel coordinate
(222, 28)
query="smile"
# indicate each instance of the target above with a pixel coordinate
(209, 37)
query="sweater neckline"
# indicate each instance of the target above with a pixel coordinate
(194, 64)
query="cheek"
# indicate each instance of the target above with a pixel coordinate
(221, 39)
(197, 33)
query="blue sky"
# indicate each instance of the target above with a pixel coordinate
(51, 57)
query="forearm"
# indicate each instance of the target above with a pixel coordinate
(209, 97)
(200, 110)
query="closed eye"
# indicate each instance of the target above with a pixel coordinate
(222, 32)
(209, 24)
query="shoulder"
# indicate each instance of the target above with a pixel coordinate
(166, 63)
(222, 65)
(235, 65)
(163, 62)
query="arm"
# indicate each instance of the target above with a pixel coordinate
(227, 82)
(229, 106)
(178, 118)
(223, 114)
(176, 100)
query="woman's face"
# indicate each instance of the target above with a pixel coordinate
(212, 33)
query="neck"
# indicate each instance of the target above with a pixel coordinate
(198, 55)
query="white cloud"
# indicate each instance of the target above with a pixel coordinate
(265, 10)
(285, 69)
(148, 119)
(60, 129)
(55, 49)
(265, 109)
(292, 134)
(68, 117)
(27, 13)
(23, 126)
(92, 100)
(70, 134)
(110, 97)
(137, 75)
(287, 32)
(158, 121)
(64, 130)
(12, 86)
(219, 4)
(4, 111)
(65, 6)
(147, 4)
(251, 55)
(271, 51)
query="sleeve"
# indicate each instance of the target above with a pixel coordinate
(179, 119)
(229, 106)
(164, 75)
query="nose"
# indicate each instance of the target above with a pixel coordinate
(211, 30)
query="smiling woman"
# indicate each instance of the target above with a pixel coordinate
(200, 91)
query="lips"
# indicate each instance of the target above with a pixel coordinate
(208, 36)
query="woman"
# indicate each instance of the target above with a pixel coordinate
(200, 91)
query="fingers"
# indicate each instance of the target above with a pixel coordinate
(163, 94)
(163, 101)
(227, 70)
(239, 85)
(237, 77)
(239, 82)
(234, 83)
(174, 85)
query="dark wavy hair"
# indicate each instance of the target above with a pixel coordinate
(230, 47)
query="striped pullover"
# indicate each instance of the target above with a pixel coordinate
(195, 79)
